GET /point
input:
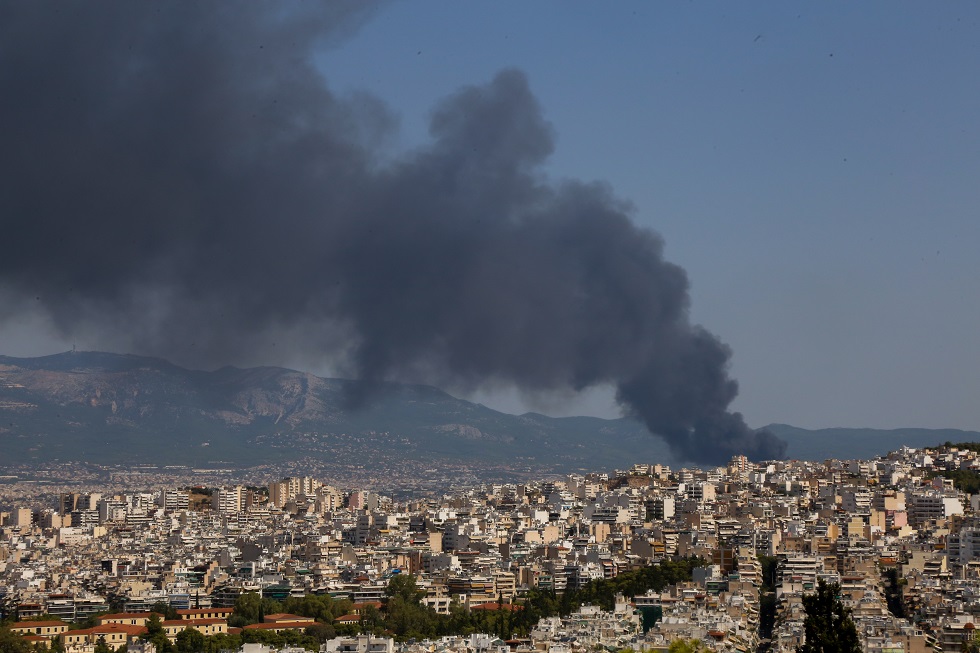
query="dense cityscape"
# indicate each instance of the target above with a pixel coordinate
(647, 558)
(471, 327)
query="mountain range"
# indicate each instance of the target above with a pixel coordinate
(125, 409)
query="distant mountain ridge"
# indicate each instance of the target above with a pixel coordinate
(123, 408)
(861, 443)
(118, 408)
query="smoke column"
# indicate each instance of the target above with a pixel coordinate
(179, 178)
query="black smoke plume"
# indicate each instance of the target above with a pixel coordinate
(181, 177)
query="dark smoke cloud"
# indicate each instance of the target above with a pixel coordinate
(180, 176)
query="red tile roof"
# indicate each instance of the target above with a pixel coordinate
(511, 607)
(36, 624)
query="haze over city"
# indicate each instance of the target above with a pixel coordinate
(812, 169)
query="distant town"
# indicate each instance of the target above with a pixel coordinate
(157, 559)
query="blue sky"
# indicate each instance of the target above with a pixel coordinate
(814, 167)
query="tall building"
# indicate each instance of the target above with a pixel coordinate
(363, 500)
(112, 510)
(68, 502)
(174, 500)
(21, 517)
(228, 500)
(738, 465)
(329, 498)
(289, 488)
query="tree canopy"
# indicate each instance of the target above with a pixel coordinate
(828, 626)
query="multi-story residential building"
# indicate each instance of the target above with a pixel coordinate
(174, 500)
(228, 500)
(931, 505)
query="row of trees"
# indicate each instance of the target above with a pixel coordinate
(193, 641)
(965, 480)
(251, 609)
(828, 626)
(11, 642)
(767, 595)
(404, 615)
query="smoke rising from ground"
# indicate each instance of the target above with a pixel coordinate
(180, 177)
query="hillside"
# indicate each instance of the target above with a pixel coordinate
(820, 444)
(113, 408)
(120, 408)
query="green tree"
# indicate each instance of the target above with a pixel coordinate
(371, 621)
(770, 566)
(101, 646)
(405, 614)
(893, 592)
(189, 640)
(321, 632)
(686, 646)
(11, 642)
(828, 626)
(90, 621)
(269, 606)
(339, 608)
(767, 594)
(267, 637)
(166, 610)
(248, 607)
(156, 635)
(403, 586)
(971, 645)
(222, 642)
(316, 606)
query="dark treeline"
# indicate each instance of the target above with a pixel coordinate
(965, 480)
(405, 617)
(403, 614)
(968, 446)
(767, 595)
(893, 592)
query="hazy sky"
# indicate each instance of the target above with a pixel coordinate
(814, 167)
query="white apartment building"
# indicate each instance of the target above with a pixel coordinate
(228, 500)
